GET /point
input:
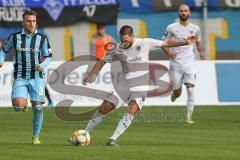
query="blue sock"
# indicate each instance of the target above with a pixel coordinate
(17, 108)
(37, 120)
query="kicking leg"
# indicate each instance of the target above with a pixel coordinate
(124, 123)
(98, 116)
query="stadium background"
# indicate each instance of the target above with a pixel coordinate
(157, 132)
(70, 25)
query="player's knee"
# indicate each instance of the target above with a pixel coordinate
(37, 103)
(132, 111)
(133, 108)
(189, 85)
(19, 103)
(105, 108)
(18, 106)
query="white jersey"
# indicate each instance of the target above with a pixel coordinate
(135, 71)
(185, 54)
(137, 53)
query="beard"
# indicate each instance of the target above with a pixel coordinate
(126, 45)
(183, 18)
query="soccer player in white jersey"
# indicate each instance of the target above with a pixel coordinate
(130, 52)
(182, 59)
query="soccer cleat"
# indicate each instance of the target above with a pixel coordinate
(35, 140)
(70, 140)
(173, 97)
(25, 109)
(112, 143)
(189, 121)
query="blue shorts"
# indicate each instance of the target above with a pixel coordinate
(34, 87)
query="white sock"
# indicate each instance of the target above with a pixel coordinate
(123, 124)
(190, 102)
(94, 121)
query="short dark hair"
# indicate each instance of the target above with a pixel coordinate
(100, 25)
(29, 13)
(126, 29)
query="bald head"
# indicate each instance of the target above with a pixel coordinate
(183, 7)
(184, 12)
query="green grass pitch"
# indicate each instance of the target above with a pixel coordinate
(158, 133)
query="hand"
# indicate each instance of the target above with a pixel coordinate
(191, 40)
(109, 46)
(202, 56)
(173, 55)
(1, 65)
(39, 68)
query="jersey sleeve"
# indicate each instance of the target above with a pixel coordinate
(166, 34)
(198, 34)
(110, 56)
(6, 48)
(46, 49)
(153, 43)
(46, 53)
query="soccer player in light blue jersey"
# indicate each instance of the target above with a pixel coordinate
(29, 77)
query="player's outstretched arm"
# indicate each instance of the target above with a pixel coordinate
(177, 42)
(172, 55)
(97, 67)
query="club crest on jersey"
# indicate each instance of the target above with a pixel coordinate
(191, 32)
(138, 48)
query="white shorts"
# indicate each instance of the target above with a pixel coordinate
(180, 75)
(124, 96)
